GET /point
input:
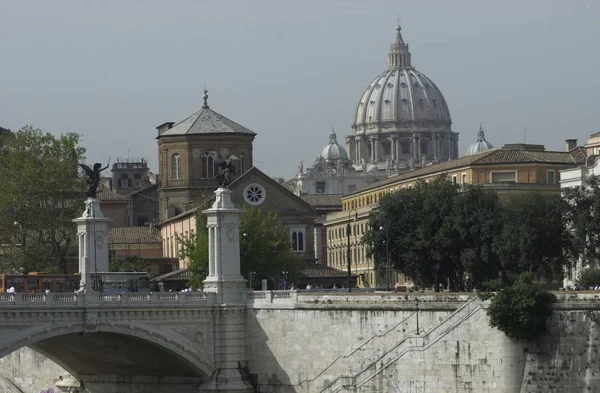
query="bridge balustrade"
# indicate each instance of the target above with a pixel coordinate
(113, 299)
(272, 298)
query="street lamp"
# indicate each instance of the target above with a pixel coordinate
(417, 301)
(387, 253)
(285, 277)
(348, 255)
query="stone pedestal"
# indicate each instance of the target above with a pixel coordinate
(225, 281)
(224, 278)
(92, 238)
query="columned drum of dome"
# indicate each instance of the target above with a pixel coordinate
(402, 117)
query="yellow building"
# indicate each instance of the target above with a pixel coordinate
(510, 169)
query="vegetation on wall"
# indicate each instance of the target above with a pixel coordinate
(521, 309)
(128, 264)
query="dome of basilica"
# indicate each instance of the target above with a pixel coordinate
(334, 151)
(401, 97)
(480, 145)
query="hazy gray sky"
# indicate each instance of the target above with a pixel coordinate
(289, 70)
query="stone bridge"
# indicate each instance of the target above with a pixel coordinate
(175, 342)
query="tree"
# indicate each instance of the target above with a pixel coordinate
(582, 215)
(534, 236)
(40, 195)
(417, 224)
(521, 310)
(125, 264)
(265, 248)
(476, 223)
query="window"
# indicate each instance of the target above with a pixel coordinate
(454, 179)
(137, 180)
(504, 177)
(176, 167)
(142, 220)
(124, 181)
(320, 187)
(464, 178)
(297, 237)
(254, 194)
(550, 177)
(404, 147)
(242, 164)
(209, 167)
(387, 148)
(424, 146)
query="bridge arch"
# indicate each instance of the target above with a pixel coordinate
(119, 349)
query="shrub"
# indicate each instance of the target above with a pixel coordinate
(589, 277)
(521, 310)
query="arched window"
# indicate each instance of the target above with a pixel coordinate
(294, 241)
(176, 166)
(297, 239)
(300, 241)
(209, 167)
(242, 165)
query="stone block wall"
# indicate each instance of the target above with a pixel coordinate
(30, 371)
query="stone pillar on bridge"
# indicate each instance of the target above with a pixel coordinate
(229, 288)
(92, 239)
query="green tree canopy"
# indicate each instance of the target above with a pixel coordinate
(40, 195)
(265, 247)
(534, 236)
(582, 214)
(414, 226)
(128, 264)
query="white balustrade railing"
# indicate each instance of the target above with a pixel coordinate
(109, 299)
(261, 298)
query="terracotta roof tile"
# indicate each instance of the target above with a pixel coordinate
(313, 270)
(322, 199)
(108, 195)
(490, 157)
(134, 235)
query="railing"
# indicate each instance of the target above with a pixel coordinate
(273, 298)
(409, 343)
(113, 299)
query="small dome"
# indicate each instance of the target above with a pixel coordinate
(334, 151)
(481, 145)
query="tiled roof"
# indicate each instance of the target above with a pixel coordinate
(134, 235)
(108, 195)
(313, 270)
(207, 121)
(489, 157)
(316, 200)
(175, 275)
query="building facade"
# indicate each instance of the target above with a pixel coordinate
(189, 152)
(514, 168)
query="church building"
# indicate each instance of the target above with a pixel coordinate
(401, 122)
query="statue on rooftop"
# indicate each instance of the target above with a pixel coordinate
(93, 177)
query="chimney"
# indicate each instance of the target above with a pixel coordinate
(164, 127)
(571, 144)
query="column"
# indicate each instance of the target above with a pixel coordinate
(357, 151)
(436, 146)
(351, 146)
(376, 147)
(398, 149)
(416, 148)
(393, 148)
(450, 146)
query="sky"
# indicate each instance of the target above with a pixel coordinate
(113, 70)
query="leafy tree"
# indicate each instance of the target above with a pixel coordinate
(265, 248)
(40, 195)
(534, 236)
(418, 226)
(123, 264)
(582, 215)
(476, 222)
(521, 310)
(589, 277)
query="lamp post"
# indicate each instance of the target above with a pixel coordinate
(417, 301)
(348, 255)
(17, 226)
(387, 256)
(285, 277)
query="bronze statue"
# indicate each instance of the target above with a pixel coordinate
(93, 178)
(226, 168)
